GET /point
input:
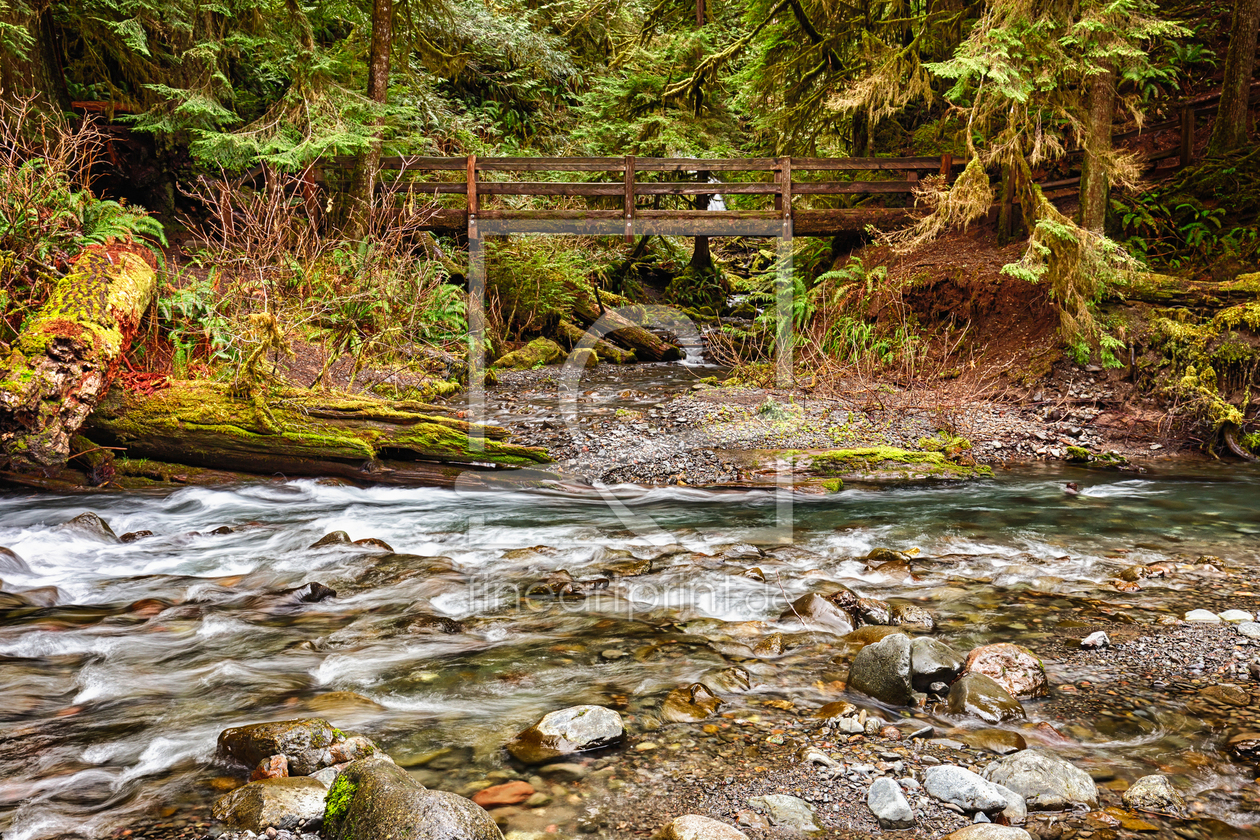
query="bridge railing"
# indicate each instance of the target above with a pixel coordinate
(631, 180)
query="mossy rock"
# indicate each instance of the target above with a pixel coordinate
(539, 352)
(887, 462)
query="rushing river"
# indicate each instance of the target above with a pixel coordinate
(113, 697)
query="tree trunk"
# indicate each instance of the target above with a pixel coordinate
(363, 186)
(1230, 131)
(298, 432)
(63, 361)
(49, 79)
(1094, 186)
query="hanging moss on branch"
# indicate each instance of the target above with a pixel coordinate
(63, 361)
(302, 433)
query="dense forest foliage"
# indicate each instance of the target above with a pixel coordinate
(231, 110)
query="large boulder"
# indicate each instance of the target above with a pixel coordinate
(375, 798)
(696, 827)
(1047, 782)
(573, 730)
(882, 670)
(819, 613)
(932, 661)
(963, 788)
(1016, 668)
(980, 696)
(889, 804)
(310, 744)
(1154, 793)
(692, 703)
(267, 802)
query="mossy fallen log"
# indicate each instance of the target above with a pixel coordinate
(1166, 290)
(296, 432)
(647, 346)
(62, 363)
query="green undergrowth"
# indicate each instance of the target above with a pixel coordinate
(885, 462)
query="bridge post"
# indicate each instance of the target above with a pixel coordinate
(476, 318)
(629, 198)
(784, 363)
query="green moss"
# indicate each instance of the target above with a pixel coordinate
(839, 462)
(832, 485)
(540, 351)
(1078, 454)
(337, 800)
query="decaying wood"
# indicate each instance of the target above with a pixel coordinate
(63, 361)
(647, 346)
(1175, 291)
(296, 432)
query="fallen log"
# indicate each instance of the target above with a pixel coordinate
(1166, 290)
(295, 432)
(63, 361)
(646, 345)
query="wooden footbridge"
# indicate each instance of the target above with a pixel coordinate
(623, 196)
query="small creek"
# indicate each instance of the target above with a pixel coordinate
(113, 697)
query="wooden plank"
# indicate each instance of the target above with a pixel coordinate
(547, 188)
(471, 184)
(558, 164)
(869, 163)
(550, 215)
(694, 188)
(697, 165)
(831, 222)
(850, 187)
(947, 164)
(413, 162)
(727, 215)
(434, 187)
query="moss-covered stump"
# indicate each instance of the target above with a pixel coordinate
(62, 363)
(299, 433)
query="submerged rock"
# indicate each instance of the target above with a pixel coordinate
(889, 804)
(1014, 667)
(789, 811)
(567, 731)
(1096, 640)
(696, 827)
(1154, 793)
(1047, 782)
(374, 798)
(11, 564)
(882, 670)
(980, 696)
(1000, 741)
(310, 593)
(693, 703)
(93, 526)
(268, 802)
(819, 613)
(913, 617)
(1203, 617)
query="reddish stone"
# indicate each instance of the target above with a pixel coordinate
(511, 793)
(271, 767)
